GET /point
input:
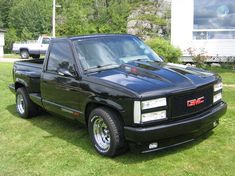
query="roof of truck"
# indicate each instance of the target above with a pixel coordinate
(92, 36)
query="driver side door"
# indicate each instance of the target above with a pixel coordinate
(61, 92)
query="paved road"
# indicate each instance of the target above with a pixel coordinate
(9, 59)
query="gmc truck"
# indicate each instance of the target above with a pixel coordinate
(32, 48)
(128, 97)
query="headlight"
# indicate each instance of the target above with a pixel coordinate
(218, 86)
(217, 97)
(153, 103)
(140, 117)
(158, 115)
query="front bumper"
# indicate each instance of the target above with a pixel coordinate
(174, 133)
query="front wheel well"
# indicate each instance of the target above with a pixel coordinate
(24, 49)
(18, 85)
(92, 106)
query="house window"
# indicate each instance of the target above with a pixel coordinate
(214, 19)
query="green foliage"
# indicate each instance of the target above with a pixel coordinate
(10, 38)
(154, 19)
(30, 16)
(27, 19)
(1, 23)
(5, 6)
(164, 49)
(90, 16)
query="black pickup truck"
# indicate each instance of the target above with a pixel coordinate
(123, 91)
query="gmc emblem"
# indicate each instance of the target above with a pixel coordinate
(195, 102)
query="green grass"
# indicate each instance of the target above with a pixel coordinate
(228, 75)
(48, 145)
(15, 56)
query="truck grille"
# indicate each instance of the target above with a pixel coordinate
(179, 106)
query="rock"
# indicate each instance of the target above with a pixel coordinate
(144, 24)
(144, 20)
(131, 24)
(133, 31)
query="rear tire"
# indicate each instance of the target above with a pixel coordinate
(24, 106)
(36, 56)
(24, 54)
(106, 132)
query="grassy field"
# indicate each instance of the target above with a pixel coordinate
(48, 145)
(15, 56)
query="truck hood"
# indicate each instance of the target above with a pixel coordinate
(155, 79)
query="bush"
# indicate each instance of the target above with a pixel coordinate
(199, 56)
(164, 49)
(10, 38)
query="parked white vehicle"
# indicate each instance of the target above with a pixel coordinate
(32, 48)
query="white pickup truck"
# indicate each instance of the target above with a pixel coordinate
(32, 48)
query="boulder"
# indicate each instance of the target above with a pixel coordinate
(151, 20)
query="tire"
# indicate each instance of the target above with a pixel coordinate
(24, 106)
(106, 132)
(24, 54)
(36, 56)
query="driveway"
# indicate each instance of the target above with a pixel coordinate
(9, 59)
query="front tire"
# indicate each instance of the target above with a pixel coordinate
(106, 132)
(24, 106)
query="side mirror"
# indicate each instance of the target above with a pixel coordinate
(65, 72)
(163, 58)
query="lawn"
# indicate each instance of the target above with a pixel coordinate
(48, 145)
(16, 56)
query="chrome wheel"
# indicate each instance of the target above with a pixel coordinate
(20, 104)
(101, 133)
(24, 54)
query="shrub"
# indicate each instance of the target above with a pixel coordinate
(199, 56)
(10, 38)
(164, 49)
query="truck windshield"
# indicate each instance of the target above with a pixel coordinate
(112, 51)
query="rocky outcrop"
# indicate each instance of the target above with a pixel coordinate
(150, 19)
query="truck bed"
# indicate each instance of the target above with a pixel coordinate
(37, 63)
(29, 71)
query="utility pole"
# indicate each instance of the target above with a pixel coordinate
(53, 18)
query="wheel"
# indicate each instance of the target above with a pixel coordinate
(24, 54)
(106, 132)
(24, 106)
(36, 56)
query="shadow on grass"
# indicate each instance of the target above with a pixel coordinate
(132, 158)
(77, 134)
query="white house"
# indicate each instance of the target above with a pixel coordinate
(2, 42)
(207, 25)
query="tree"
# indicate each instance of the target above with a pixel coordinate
(31, 15)
(5, 6)
(10, 38)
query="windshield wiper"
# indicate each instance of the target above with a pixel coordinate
(98, 67)
(144, 59)
(148, 60)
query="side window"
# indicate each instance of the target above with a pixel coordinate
(60, 57)
(45, 41)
